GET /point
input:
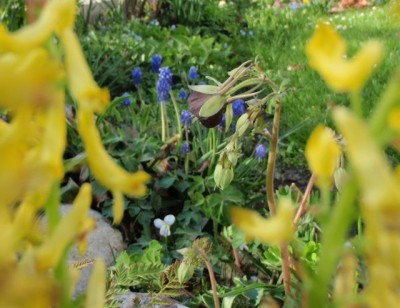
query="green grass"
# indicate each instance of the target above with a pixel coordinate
(280, 44)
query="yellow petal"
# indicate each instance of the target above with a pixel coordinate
(118, 206)
(326, 53)
(69, 228)
(322, 152)
(56, 16)
(378, 182)
(97, 286)
(82, 85)
(394, 120)
(271, 231)
(106, 171)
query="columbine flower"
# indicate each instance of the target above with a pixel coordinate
(137, 75)
(186, 118)
(261, 151)
(127, 101)
(182, 94)
(193, 75)
(164, 84)
(185, 149)
(165, 225)
(326, 52)
(156, 62)
(239, 107)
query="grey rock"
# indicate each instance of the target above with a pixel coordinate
(103, 242)
(132, 300)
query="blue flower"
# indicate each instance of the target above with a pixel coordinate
(182, 94)
(201, 83)
(185, 149)
(193, 75)
(238, 107)
(154, 22)
(156, 62)
(242, 33)
(261, 151)
(137, 75)
(294, 6)
(137, 38)
(173, 27)
(186, 118)
(251, 33)
(127, 100)
(164, 84)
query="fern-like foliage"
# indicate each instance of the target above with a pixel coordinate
(137, 273)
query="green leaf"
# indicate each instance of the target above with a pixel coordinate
(205, 89)
(212, 106)
(166, 182)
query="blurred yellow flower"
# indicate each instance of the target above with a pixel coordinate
(322, 152)
(394, 120)
(270, 231)
(106, 171)
(326, 52)
(95, 296)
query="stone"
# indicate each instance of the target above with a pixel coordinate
(132, 300)
(103, 242)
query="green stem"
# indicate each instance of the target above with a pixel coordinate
(163, 122)
(178, 117)
(356, 103)
(332, 244)
(52, 207)
(187, 164)
(61, 273)
(214, 145)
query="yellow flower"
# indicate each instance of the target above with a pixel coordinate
(270, 231)
(394, 120)
(74, 225)
(106, 171)
(80, 80)
(326, 52)
(97, 286)
(322, 152)
(56, 16)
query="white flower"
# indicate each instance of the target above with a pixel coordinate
(164, 225)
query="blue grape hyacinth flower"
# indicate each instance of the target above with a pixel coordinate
(182, 94)
(127, 100)
(238, 107)
(164, 84)
(193, 75)
(156, 62)
(185, 149)
(261, 151)
(137, 75)
(186, 118)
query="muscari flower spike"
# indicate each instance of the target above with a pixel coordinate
(164, 84)
(182, 94)
(193, 75)
(137, 75)
(165, 225)
(127, 100)
(185, 149)
(156, 62)
(261, 151)
(186, 118)
(238, 107)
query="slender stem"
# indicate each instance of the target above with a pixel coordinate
(332, 244)
(303, 203)
(214, 145)
(212, 278)
(237, 262)
(178, 118)
(271, 194)
(271, 161)
(356, 103)
(52, 206)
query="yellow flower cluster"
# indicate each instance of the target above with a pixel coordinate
(37, 64)
(379, 185)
